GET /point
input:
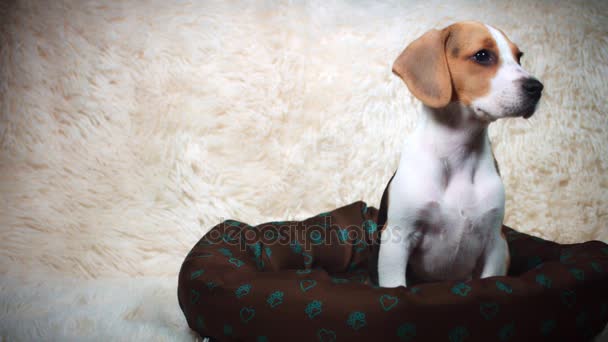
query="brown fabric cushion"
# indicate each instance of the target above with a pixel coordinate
(308, 281)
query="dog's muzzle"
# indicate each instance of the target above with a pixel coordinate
(532, 88)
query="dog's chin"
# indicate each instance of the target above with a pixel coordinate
(527, 112)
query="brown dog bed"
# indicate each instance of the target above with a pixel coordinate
(308, 281)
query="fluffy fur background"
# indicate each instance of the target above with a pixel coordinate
(129, 128)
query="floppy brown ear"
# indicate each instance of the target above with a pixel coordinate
(424, 69)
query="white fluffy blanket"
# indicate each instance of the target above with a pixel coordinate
(129, 128)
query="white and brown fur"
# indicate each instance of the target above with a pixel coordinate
(442, 211)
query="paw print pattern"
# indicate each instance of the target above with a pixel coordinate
(461, 289)
(356, 320)
(243, 290)
(308, 287)
(275, 299)
(314, 308)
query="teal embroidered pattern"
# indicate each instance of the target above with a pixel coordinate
(461, 289)
(506, 332)
(228, 329)
(458, 334)
(225, 251)
(228, 239)
(304, 271)
(268, 251)
(577, 273)
(597, 267)
(307, 258)
(543, 280)
(270, 235)
(236, 262)
(336, 280)
(262, 339)
(316, 237)
(275, 299)
(360, 246)
(388, 302)
(211, 285)
(196, 274)
(343, 235)
(296, 247)
(194, 296)
(256, 248)
(534, 262)
(326, 335)
(356, 320)
(307, 284)
(547, 327)
(568, 298)
(247, 314)
(489, 310)
(504, 287)
(406, 331)
(243, 290)
(370, 226)
(232, 223)
(314, 308)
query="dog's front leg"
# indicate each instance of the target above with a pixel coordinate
(396, 245)
(495, 257)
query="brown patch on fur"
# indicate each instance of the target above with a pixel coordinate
(423, 68)
(470, 80)
(514, 49)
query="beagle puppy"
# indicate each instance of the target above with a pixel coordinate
(442, 211)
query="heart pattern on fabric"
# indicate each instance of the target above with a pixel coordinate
(461, 289)
(196, 274)
(247, 314)
(543, 280)
(236, 262)
(577, 273)
(485, 298)
(568, 298)
(307, 284)
(504, 287)
(388, 302)
(326, 335)
(194, 296)
(307, 258)
(489, 310)
(406, 332)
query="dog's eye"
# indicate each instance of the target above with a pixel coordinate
(483, 57)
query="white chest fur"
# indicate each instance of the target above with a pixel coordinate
(446, 205)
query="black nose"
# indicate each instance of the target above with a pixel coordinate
(532, 86)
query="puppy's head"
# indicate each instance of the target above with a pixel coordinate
(473, 64)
